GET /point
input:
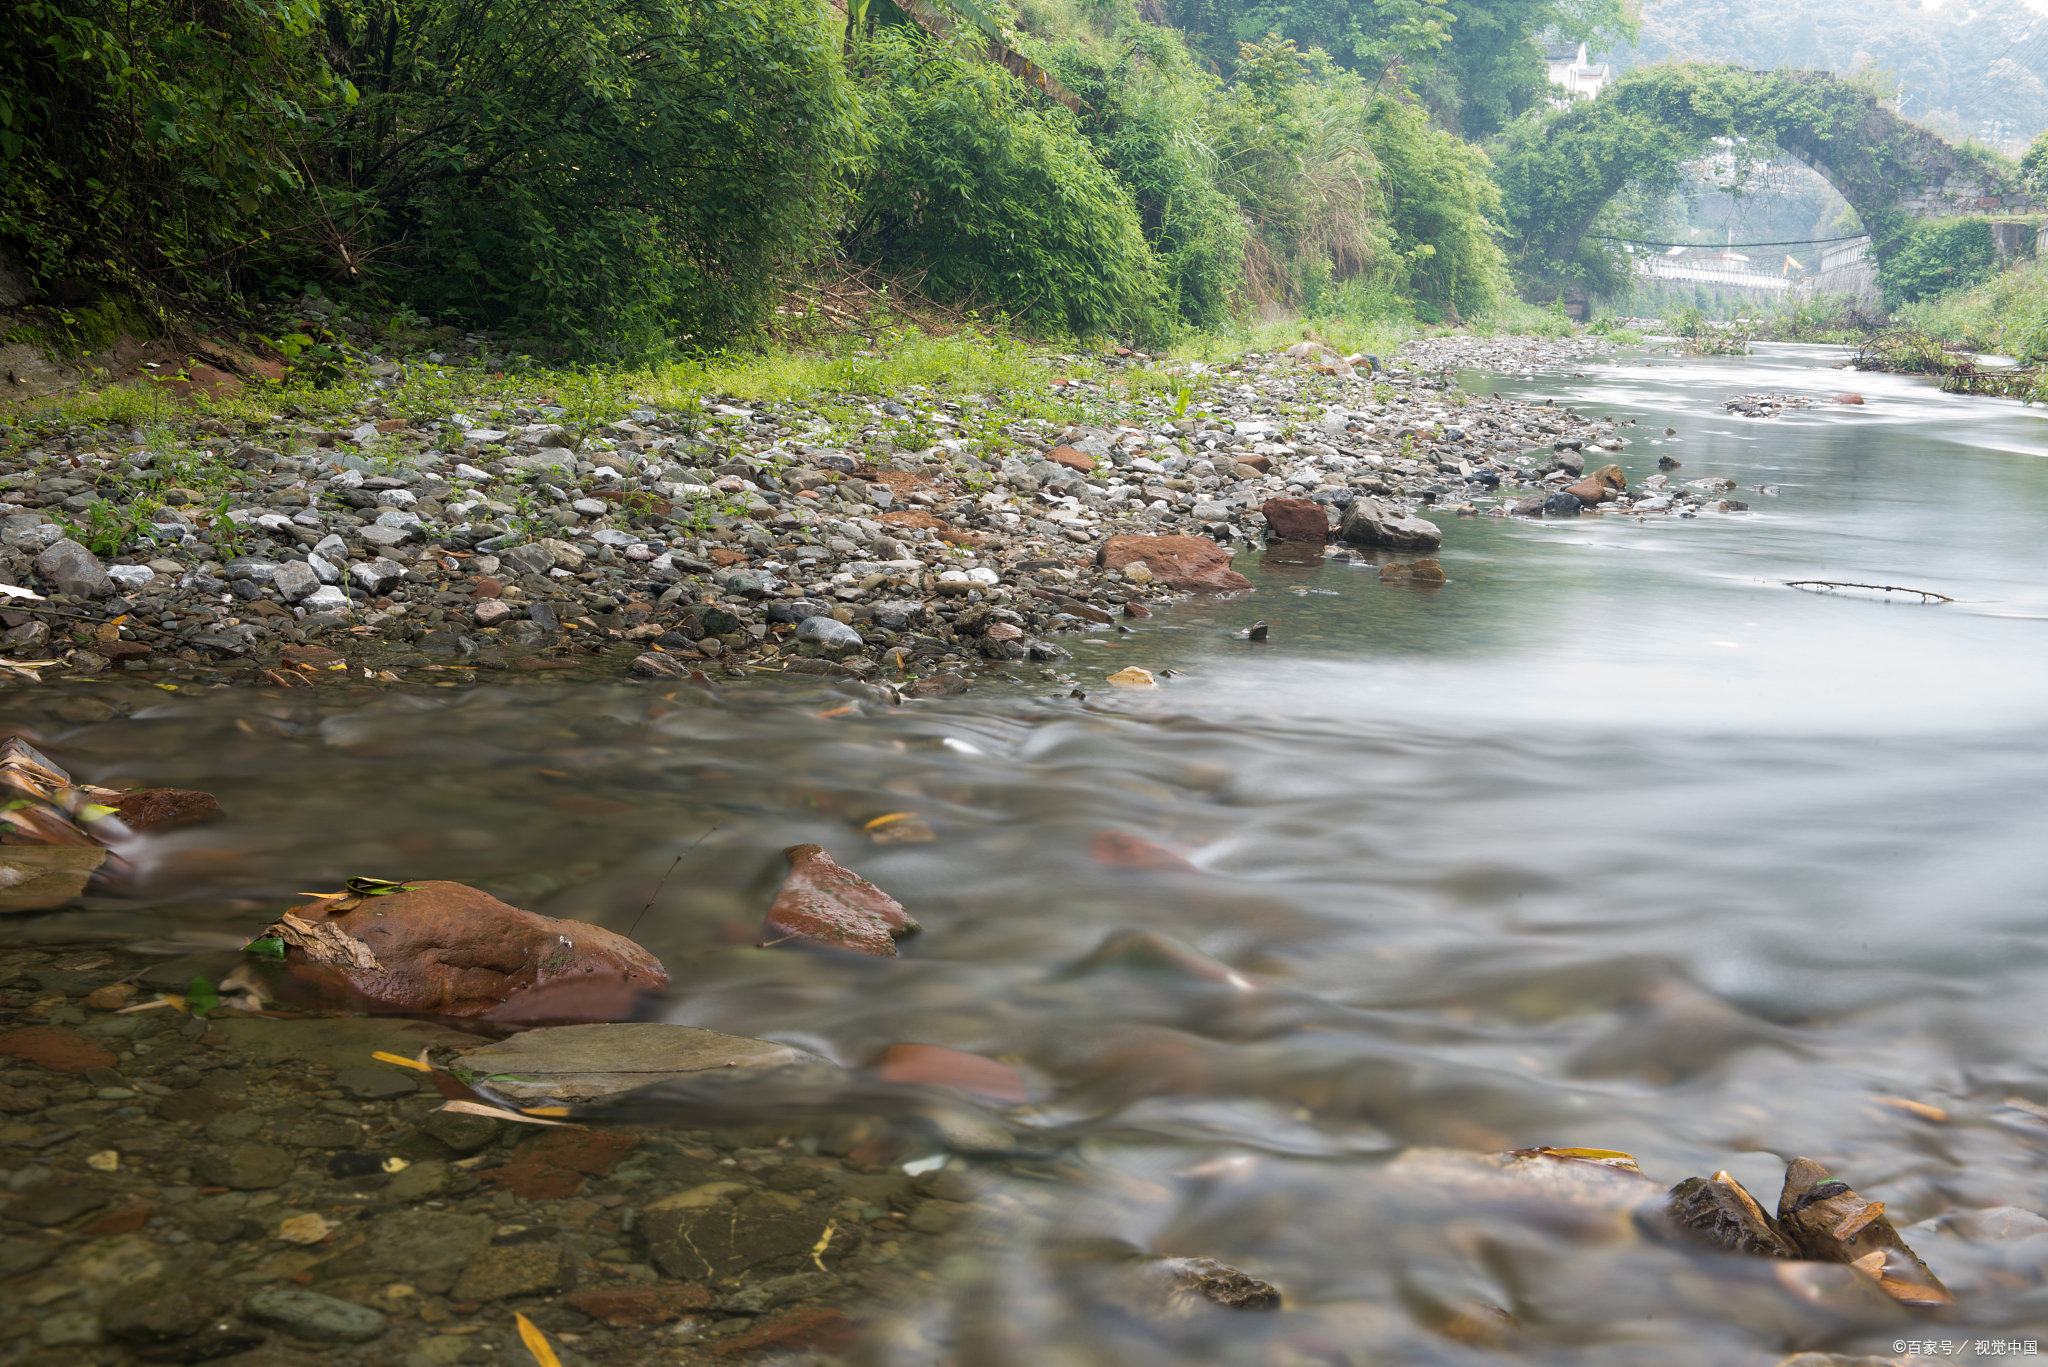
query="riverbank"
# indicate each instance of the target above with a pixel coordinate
(911, 537)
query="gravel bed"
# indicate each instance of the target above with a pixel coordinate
(913, 544)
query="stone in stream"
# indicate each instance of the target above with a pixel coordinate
(310, 1315)
(1427, 571)
(833, 635)
(172, 1306)
(445, 948)
(1563, 503)
(822, 903)
(1367, 522)
(719, 1230)
(586, 1062)
(414, 1241)
(1182, 562)
(1828, 1222)
(1720, 1213)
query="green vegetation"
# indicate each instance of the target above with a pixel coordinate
(1936, 257)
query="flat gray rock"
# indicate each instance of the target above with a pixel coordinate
(584, 1062)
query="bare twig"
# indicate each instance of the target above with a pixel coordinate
(664, 878)
(1823, 585)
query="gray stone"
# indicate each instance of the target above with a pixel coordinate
(69, 1329)
(325, 570)
(323, 1134)
(23, 1255)
(31, 535)
(420, 1182)
(326, 598)
(752, 1300)
(499, 1274)
(1367, 522)
(532, 558)
(1563, 503)
(332, 548)
(399, 519)
(653, 664)
(310, 1315)
(412, 1241)
(829, 632)
(295, 582)
(250, 567)
(377, 576)
(384, 538)
(462, 1133)
(720, 1230)
(244, 1167)
(377, 1084)
(583, 1062)
(68, 567)
(165, 1308)
(131, 576)
(53, 1205)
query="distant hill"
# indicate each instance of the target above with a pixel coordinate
(1977, 70)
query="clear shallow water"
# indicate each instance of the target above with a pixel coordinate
(1612, 841)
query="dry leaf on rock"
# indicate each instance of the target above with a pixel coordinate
(321, 942)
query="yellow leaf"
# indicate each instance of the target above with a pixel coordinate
(555, 1111)
(536, 1342)
(885, 820)
(402, 1061)
(824, 1242)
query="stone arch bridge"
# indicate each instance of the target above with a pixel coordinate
(1558, 172)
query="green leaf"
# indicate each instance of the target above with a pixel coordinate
(200, 997)
(270, 947)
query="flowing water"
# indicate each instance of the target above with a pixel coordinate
(1614, 841)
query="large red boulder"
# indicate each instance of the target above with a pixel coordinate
(1181, 562)
(824, 903)
(446, 949)
(1296, 519)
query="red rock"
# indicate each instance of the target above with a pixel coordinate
(1121, 849)
(1428, 571)
(1072, 459)
(319, 657)
(122, 650)
(1848, 398)
(1260, 463)
(534, 1181)
(488, 588)
(159, 809)
(939, 1066)
(120, 1222)
(389, 425)
(822, 903)
(641, 1309)
(452, 950)
(722, 557)
(1590, 491)
(1181, 562)
(592, 1152)
(1296, 519)
(491, 612)
(811, 1329)
(55, 1048)
(1136, 610)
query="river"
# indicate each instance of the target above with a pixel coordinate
(1614, 841)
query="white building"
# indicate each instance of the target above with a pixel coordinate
(1571, 68)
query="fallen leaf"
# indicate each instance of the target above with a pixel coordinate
(200, 997)
(402, 1061)
(500, 1113)
(824, 1242)
(321, 942)
(106, 1160)
(1919, 1108)
(536, 1343)
(16, 591)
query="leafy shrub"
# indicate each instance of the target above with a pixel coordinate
(995, 200)
(1148, 118)
(1934, 258)
(606, 174)
(1442, 207)
(149, 146)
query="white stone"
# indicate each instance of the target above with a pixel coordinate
(130, 576)
(326, 598)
